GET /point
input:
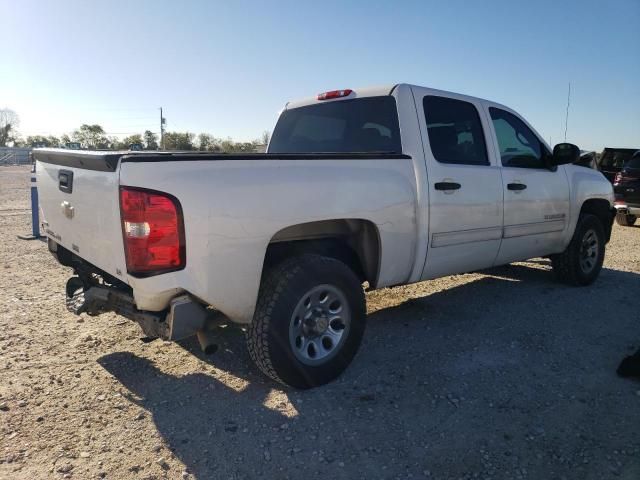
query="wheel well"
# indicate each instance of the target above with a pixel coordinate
(601, 209)
(354, 242)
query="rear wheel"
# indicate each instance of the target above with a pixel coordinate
(581, 262)
(309, 321)
(625, 220)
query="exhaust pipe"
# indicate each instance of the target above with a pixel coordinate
(207, 341)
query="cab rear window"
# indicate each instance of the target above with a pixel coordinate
(615, 158)
(360, 125)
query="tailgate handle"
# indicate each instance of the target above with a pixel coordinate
(65, 181)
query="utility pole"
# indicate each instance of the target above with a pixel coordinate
(162, 123)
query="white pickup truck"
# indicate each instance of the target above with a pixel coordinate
(380, 186)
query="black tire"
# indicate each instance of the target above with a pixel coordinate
(282, 290)
(625, 220)
(568, 266)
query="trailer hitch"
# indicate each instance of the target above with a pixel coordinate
(94, 299)
(183, 318)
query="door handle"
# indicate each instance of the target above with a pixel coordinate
(516, 186)
(447, 186)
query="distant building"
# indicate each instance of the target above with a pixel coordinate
(260, 148)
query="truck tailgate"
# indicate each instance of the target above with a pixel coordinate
(80, 209)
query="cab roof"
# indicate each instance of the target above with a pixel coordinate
(356, 93)
(377, 91)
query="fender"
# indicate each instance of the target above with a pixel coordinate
(584, 184)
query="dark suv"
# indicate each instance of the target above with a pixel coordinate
(613, 159)
(626, 187)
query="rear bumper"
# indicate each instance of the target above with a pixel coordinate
(627, 197)
(622, 201)
(627, 208)
(182, 319)
(94, 291)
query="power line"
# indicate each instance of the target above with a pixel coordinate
(126, 133)
(130, 118)
(118, 109)
(146, 126)
(49, 134)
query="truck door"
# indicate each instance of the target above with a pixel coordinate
(536, 198)
(465, 187)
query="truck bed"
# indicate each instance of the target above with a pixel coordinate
(233, 205)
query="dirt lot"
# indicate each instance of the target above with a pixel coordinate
(500, 374)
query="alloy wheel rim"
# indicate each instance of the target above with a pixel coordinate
(589, 250)
(319, 325)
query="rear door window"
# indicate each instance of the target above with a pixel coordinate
(360, 125)
(454, 130)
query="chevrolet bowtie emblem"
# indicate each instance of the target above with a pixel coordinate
(67, 209)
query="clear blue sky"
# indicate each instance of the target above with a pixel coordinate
(228, 67)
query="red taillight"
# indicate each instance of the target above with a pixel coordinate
(153, 231)
(334, 94)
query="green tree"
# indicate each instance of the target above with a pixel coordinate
(49, 141)
(229, 146)
(150, 140)
(126, 142)
(215, 145)
(179, 141)
(9, 122)
(114, 143)
(91, 136)
(206, 141)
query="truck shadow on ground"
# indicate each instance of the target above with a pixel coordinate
(490, 377)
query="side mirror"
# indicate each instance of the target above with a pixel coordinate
(564, 153)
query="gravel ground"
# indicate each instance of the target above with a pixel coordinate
(500, 374)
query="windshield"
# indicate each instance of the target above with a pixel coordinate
(361, 125)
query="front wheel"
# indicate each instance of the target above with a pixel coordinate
(581, 262)
(309, 321)
(625, 220)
